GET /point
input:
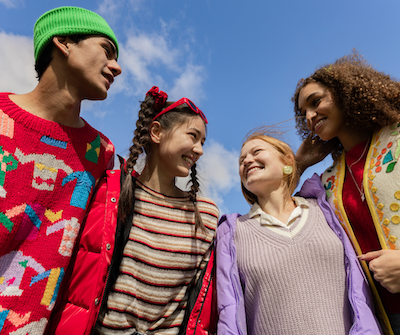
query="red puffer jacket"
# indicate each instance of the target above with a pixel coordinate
(82, 293)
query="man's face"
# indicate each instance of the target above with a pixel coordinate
(92, 66)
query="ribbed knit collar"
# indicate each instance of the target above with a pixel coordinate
(160, 195)
(42, 126)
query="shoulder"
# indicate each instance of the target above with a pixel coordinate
(105, 141)
(227, 224)
(209, 211)
(207, 206)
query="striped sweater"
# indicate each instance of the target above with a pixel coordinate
(160, 260)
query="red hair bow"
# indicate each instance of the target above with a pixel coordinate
(160, 97)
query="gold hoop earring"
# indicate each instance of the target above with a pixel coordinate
(287, 169)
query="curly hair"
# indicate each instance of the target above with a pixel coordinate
(367, 98)
(287, 156)
(142, 143)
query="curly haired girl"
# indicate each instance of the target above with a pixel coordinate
(351, 110)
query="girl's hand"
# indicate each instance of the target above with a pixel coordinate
(385, 265)
(310, 152)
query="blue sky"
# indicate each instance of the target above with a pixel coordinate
(239, 61)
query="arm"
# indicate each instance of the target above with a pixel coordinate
(310, 152)
(229, 295)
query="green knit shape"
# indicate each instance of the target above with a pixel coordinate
(7, 223)
(66, 21)
(93, 150)
(24, 263)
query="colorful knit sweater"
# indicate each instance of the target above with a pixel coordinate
(382, 195)
(160, 259)
(47, 176)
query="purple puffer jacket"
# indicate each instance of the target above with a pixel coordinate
(232, 319)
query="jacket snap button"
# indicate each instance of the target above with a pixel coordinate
(113, 200)
(108, 246)
(112, 172)
(96, 301)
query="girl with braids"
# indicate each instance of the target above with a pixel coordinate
(351, 110)
(144, 261)
(286, 267)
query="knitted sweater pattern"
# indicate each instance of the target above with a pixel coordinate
(281, 275)
(380, 183)
(47, 175)
(382, 195)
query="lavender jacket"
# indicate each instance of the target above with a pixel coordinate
(232, 317)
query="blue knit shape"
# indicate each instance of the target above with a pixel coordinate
(84, 185)
(3, 317)
(39, 277)
(57, 288)
(32, 215)
(53, 142)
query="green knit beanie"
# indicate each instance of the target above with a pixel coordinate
(66, 21)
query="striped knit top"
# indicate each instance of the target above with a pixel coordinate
(160, 260)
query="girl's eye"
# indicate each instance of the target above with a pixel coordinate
(193, 134)
(316, 101)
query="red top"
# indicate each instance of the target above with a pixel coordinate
(361, 219)
(47, 176)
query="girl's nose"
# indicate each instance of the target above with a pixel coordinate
(198, 149)
(310, 115)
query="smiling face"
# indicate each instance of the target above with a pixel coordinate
(181, 147)
(92, 66)
(323, 116)
(261, 167)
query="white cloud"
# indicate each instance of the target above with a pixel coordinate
(113, 9)
(218, 172)
(189, 83)
(141, 58)
(10, 3)
(17, 57)
(151, 59)
(108, 7)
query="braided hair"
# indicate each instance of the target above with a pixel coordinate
(142, 143)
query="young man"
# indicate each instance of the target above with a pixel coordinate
(50, 160)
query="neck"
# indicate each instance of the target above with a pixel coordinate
(52, 101)
(157, 182)
(278, 204)
(351, 138)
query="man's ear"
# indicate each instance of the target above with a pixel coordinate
(61, 43)
(155, 132)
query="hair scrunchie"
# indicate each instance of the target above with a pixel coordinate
(160, 97)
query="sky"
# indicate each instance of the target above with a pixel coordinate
(238, 61)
